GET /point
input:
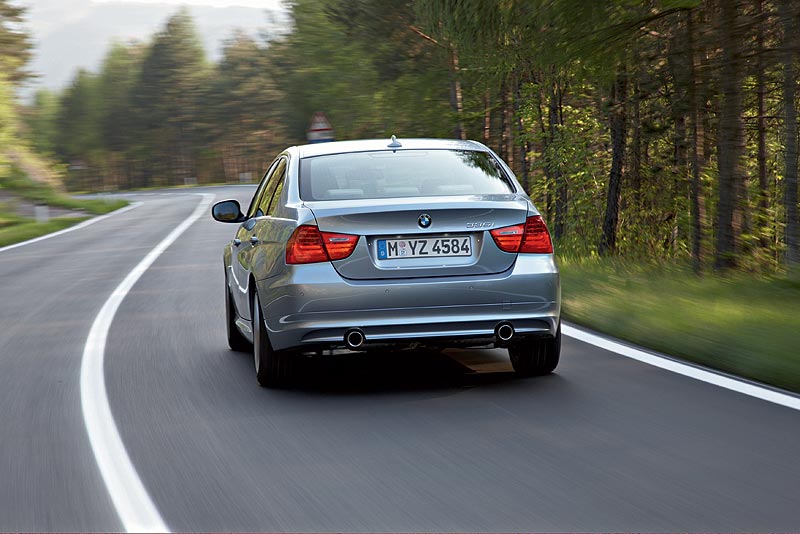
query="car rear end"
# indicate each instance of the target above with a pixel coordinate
(430, 243)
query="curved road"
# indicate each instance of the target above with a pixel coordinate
(422, 442)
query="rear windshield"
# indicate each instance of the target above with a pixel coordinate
(405, 173)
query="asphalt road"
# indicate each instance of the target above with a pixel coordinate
(422, 442)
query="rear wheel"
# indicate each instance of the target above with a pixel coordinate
(536, 357)
(273, 367)
(236, 341)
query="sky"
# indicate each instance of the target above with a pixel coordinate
(73, 34)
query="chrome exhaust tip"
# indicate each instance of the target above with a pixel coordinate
(354, 338)
(504, 331)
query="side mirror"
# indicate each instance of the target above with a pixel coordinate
(227, 211)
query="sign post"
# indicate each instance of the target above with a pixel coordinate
(320, 129)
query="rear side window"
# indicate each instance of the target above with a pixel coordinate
(265, 189)
(405, 173)
(275, 179)
(276, 197)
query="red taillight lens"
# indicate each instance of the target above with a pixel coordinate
(508, 238)
(529, 238)
(309, 245)
(305, 246)
(339, 246)
(537, 238)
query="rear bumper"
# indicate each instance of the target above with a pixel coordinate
(311, 306)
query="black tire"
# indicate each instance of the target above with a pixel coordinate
(536, 357)
(236, 341)
(273, 367)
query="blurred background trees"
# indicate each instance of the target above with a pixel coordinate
(15, 50)
(659, 128)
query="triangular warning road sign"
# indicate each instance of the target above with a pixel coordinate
(320, 128)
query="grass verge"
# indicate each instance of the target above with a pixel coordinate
(14, 228)
(741, 323)
(18, 183)
(28, 229)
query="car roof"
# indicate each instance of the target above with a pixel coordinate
(368, 145)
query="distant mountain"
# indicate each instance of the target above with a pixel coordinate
(71, 34)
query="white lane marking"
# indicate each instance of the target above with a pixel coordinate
(78, 226)
(704, 375)
(131, 500)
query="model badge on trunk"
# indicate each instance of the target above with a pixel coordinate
(480, 225)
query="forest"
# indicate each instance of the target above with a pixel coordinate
(649, 129)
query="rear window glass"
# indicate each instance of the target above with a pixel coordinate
(405, 173)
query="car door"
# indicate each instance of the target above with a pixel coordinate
(244, 241)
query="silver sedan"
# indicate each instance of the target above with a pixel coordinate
(361, 245)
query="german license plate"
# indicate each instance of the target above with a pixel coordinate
(425, 247)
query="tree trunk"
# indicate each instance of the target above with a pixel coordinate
(788, 13)
(559, 180)
(697, 155)
(762, 216)
(502, 145)
(508, 133)
(548, 179)
(524, 147)
(608, 241)
(487, 118)
(679, 60)
(636, 146)
(730, 137)
(456, 100)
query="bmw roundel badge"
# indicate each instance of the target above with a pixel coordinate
(424, 220)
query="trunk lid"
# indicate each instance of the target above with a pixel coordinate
(396, 243)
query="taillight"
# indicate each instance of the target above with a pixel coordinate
(308, 245)
(339, 246)
(508, 238)
(305, 246)
(529, 238)
(537, 238)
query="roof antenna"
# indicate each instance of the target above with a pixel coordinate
(395, 143)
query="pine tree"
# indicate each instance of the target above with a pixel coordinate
(15, 43)
(166, 98)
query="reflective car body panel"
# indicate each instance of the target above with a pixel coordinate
(447, 300)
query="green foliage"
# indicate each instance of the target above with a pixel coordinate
(531, 79)
(16, 157)
(15, 44)
(40, 122)
(242, 108)
(21, 185)
(159, 114)
(323, 70)
(410, 68)
(78, 119)
(116, 83)
(7, 121)
(167, 97)
(575, 151)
